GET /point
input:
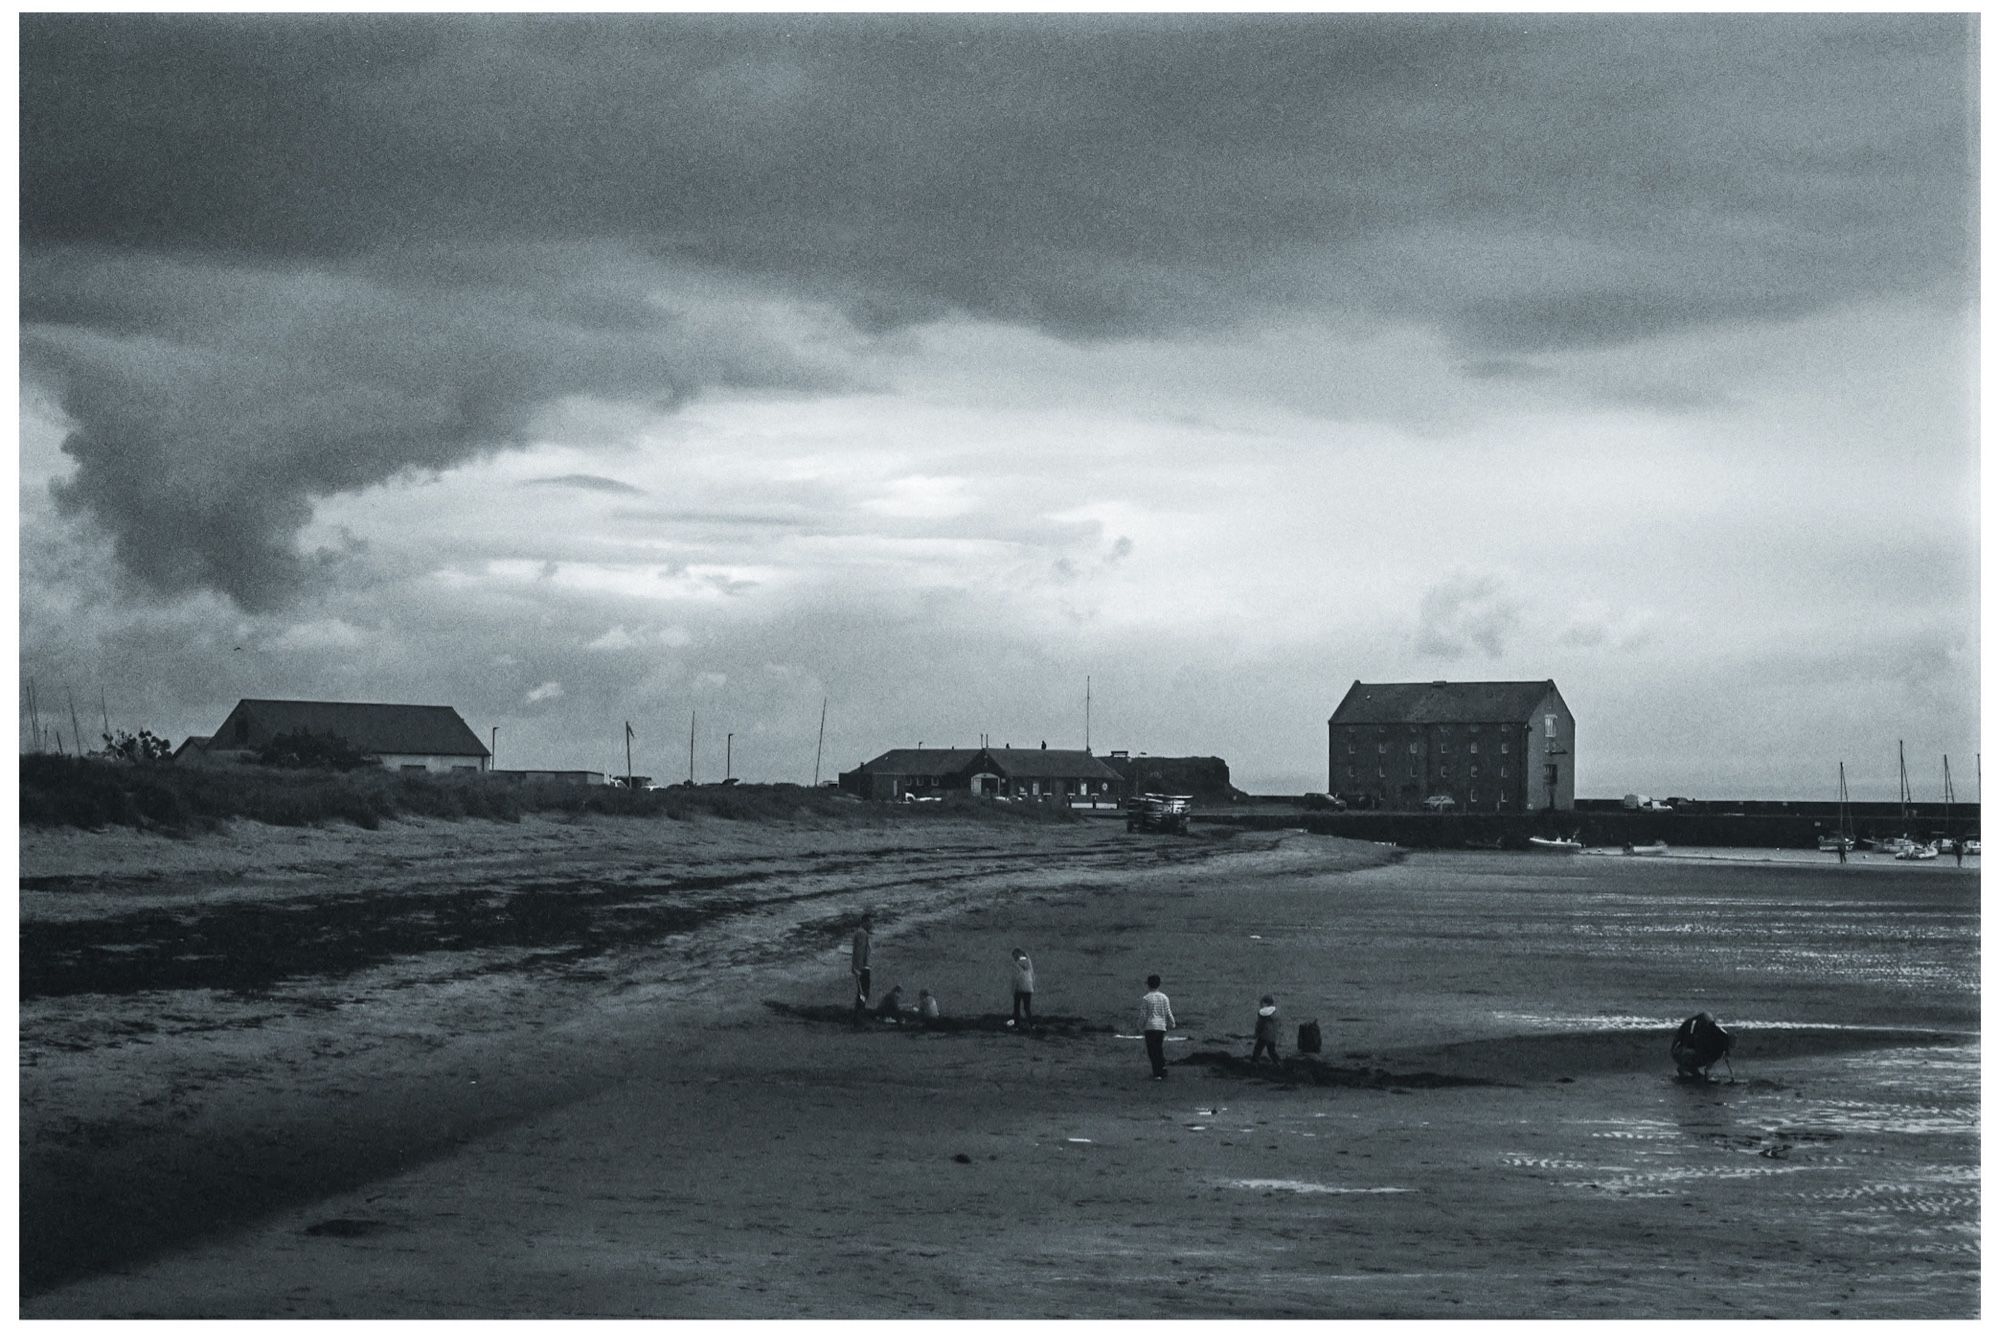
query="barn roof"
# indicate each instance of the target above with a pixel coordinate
(1443, 701)
(369, 728)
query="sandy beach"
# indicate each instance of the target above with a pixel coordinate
(586, 1068)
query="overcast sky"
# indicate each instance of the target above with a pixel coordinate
(577, 371)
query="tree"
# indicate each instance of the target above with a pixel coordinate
(144, 748)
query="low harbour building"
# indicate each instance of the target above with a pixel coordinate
(1034, 775)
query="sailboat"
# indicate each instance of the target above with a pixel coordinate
(1901, 842)
(1842, 840)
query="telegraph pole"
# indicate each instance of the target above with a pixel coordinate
(690, 748)
(728, 755)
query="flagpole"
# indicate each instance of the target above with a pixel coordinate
(628, 756)
(690, 748)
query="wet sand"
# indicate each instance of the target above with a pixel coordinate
(512, 1128)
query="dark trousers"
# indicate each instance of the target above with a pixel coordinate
(1262, 1045)
(1024, 1005)
(1156, 1051)
(861, 980)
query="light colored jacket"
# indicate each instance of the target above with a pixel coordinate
(1155, 1013)
(1024, 975)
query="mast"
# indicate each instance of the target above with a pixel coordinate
(1841, 831)
(822, 743)
(1947, 797)
(1903, 796)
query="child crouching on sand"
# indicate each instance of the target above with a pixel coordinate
(1267, 1030)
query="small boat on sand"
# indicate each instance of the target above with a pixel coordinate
(1569, 844)
(1918, 852)
(1646, 849)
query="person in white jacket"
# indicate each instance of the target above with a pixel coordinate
(1024, 990)
(1156, 1015)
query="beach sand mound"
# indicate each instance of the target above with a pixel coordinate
(1049, 1025)
(1304, 1070)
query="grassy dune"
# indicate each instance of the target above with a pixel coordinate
(64, 792)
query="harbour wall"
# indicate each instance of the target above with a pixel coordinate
(1610, 827)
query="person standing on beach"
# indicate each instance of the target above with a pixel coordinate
(1156, 1015)
(1266, 1038)
(1024, 990)
(857, 963)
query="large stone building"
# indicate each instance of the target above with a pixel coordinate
(427, 737)
(1044, 774)
(1488, 745)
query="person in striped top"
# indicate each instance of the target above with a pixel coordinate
(1156, 1015)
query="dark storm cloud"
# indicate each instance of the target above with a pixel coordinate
(210, 405)
(271, 258)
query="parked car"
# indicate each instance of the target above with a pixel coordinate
(1440, 802)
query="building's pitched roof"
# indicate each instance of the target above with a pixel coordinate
(369, 728)
(1036, 763)
(1052, 764)
(1448, 702)
(920, 763)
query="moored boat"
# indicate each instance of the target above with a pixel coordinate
(1569, 844)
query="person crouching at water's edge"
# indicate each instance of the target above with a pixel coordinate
(1699, 1043)
(1024, 989)
(1156, 1015)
